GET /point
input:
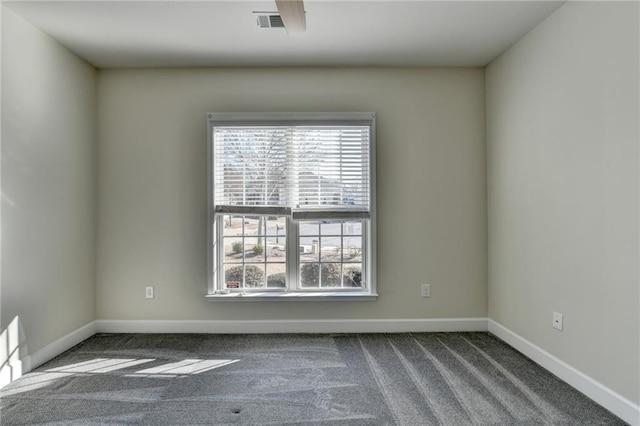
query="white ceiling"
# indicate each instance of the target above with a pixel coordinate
(125, 33)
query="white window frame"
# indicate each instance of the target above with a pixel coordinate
(215, 227)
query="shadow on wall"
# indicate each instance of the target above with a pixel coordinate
(13, 348)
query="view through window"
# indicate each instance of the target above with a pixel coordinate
(290, 205)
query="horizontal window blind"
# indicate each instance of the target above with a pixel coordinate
(307, 168)
(251, 166)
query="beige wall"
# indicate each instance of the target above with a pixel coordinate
(152, 186)
(48, 185)
(562, 120)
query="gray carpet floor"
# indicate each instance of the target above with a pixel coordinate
(339, 379)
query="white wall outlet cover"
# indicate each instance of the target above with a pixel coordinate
(558, 319)
(148, 292)
(426, 290)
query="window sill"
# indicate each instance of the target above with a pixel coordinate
(292, 297)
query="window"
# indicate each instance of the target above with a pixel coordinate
(291, 204)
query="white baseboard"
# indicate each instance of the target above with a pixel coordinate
(612, 401)
(57, 347)
(293, 326)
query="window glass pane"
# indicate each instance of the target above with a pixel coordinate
(246, 255)
(254, 249)
(333, 165)
(310, 275)
(276, 226)
(309, 228)
(276, 251)
(253, 225)
(309, 249)
(233, 276)
(250, 165)
(276, 238)
(330, 250)
(339, 252)
(352, 249)
(330, 274)
(352, 228)
(352, 275)
(330, 228)
(254, 276)
(232, 225)
(233, 249)
(276, 275)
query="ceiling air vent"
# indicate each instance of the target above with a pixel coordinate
(269, 20)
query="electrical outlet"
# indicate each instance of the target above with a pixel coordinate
(426, 290)
(558, 320)
(148, 292)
